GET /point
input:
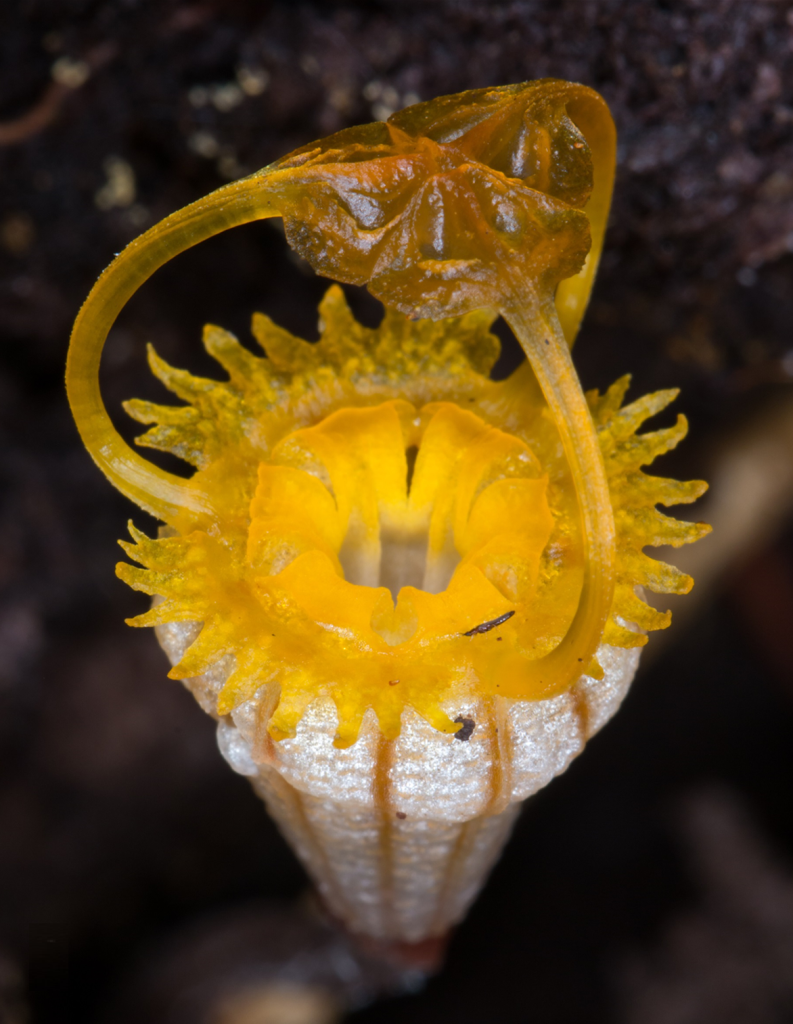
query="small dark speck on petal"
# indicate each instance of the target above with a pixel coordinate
(485, 627)
(467, 727)
(401, 815)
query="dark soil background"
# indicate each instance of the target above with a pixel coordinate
(650, 883)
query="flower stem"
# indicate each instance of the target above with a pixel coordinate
(164, 495)
(537, 328)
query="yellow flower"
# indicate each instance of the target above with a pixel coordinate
(378, 539)
(398, 529)
(372, 519)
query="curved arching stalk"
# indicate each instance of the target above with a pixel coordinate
(540, 335)
(164, 495)
(546, 332)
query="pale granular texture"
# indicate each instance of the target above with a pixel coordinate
(400, 837)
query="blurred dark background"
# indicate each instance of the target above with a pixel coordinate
(653, 882)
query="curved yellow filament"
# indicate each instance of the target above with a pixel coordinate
(546, 348)
(164, 495)
(546, 331)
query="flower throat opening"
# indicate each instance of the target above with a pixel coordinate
(403, 556)
(403, 499)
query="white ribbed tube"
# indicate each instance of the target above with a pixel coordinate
(400, 836)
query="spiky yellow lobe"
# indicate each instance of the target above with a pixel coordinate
(398, 528)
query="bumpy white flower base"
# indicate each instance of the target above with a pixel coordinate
(400, 836)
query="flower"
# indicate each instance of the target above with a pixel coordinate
(336, 576)
(382, 551)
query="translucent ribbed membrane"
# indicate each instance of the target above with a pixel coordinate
(399, 836)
